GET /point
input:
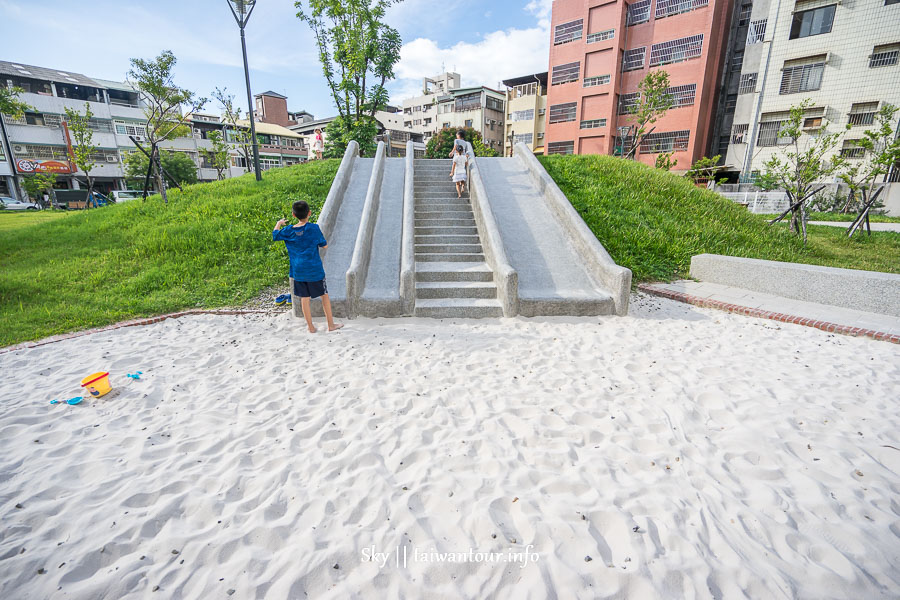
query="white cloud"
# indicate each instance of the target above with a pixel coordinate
(541, 9)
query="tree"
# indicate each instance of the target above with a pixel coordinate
(37, 183)
(177, 164)
(219, 156)
(164, 103)
(881, 150)
(355, 47)
(83, 148)
(664, 161)
(441, 143)
(801, 165)
(235, 132)
(653, 102)
(705, 169)
(10, 103)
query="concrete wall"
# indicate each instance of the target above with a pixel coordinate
(362, 249)
(848, 288)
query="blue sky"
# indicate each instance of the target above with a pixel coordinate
(485, 41)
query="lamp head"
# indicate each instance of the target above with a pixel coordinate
(242, 7)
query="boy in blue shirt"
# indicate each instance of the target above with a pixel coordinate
(303, 241)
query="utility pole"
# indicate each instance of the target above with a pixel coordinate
(242, 9)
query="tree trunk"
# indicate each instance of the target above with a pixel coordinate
(161, 181)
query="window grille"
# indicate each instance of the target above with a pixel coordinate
(737, 60)
(747, 84)
(639, 12)
(862, 113)
(601, 36)
(468, 102)
(682, 95)
(633, 59)
(667, 8)
(770, 132)
(757, 32)
(812, 22)
(665, 142)
(561, 113)
(40, 152)
(628, 103)
(493, 104)
(744, 18)
(123, 128)
(731, 102)
(593, 123)
(525, 138)
(566, 73)
(851, 149)
(802, 78)
(739, 133)
(595, 81)
(561, 147)
(522, 115)
(99, 125)
(675, 51)
(884, 56)
(568, 32)
(622, 144)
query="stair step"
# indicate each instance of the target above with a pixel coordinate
(448, 248)
(426, 202)
(443, 208)
(448, 257)
(468, 221)
(464, 308)
(444, 239)
(456, 289)
(444, 214)
(453, 271)
(449, 230)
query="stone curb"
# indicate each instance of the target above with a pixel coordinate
(767, 314)
(132, 323)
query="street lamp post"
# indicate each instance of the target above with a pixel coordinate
(242, 9)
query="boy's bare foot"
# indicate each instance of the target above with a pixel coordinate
(335, 327)
(312, 329)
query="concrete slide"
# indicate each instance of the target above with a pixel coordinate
(400, 243)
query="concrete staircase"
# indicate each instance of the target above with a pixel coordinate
(452, 278)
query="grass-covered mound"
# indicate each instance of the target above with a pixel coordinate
(653, 222)
(211, 246)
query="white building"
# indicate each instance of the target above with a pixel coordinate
(844, 57)
(445, 104)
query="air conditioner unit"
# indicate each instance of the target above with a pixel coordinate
(18, 148)
(111, 158)
(540, 136)
(138, 138)
(542, 111)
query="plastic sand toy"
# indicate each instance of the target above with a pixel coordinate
(70, 401)
(97, 384)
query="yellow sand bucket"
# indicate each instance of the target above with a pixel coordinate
(97, 384)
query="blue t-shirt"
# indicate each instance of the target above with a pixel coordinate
(303, 249)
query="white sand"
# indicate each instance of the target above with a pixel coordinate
(753, 457)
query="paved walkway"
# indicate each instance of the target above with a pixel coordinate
(895, 227)
(755, 304)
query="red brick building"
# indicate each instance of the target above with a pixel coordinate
(271, 107)
(601, 49)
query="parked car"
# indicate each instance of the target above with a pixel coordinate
(124, 195)
(10, 204)
(78, 199)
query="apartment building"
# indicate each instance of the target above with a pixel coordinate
(271, 107)
(526, 108)
(600, 51)
(390, 129)
(445, 104)
(843, 56)
(39, 140)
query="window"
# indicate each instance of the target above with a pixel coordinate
(667, 8)
(812, 22)
(676, 50)
(561, 147)
(123, 128)
(884, 56)
(723, 146)
(757, 32)
(639, 12)
(770, 130)
(796, 78)
(568, 32)
(522, 115)
(682, 95)
(889, 2)
(445, 125)
(744, 18)
(593, 123)
(594, 81)
(737, 60)
(730, 102)
(239, 161)
(628, 103)
(739, 133)
(525, 138)
(812, 122)
(747, 84)
(525, 89)
(601, 36)
(862, 113)
(468, 102)
(566, 73)
(468, 122)
(851, 149)
(493, 104)
(665, 142)
(633, 59)
(561, 113)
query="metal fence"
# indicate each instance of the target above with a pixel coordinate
(760, 202)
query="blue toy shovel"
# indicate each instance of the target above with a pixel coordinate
(70, 401)
(135, 375)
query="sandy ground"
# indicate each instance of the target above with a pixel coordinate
(675, 453)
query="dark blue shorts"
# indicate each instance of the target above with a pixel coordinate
(310, 289)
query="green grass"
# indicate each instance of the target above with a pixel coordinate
(210, 247)
(840, 217)
(16, 219)
(654, 222)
